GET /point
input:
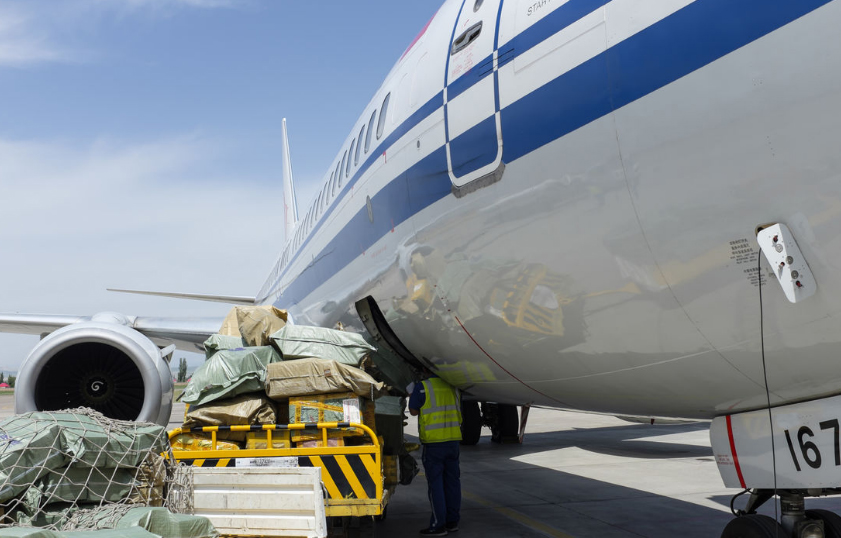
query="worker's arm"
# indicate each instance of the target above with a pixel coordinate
(417, 399)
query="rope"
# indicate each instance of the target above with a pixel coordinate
(77, 469)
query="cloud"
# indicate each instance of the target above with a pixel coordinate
(34, 32)
(23, 41)
(171, 214)
(191, 3)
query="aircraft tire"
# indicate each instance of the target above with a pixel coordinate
(507, 428)
(831, 522)
(471, 423)
(753, 526)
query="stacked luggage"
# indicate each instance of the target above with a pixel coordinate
(261, 370)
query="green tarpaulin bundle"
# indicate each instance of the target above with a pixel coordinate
(33, 445)
(120, 522)
(218, 342)
(228, 373)
(302, 342)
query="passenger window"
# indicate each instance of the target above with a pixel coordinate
(356, 156)
(333, 184)
(338, 170)
(350, 157)
(344, 158)
(370, 128)
(383, 114)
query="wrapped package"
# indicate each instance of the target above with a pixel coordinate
(33, 444)
(151, 478)
(259, 440)
(250, 408)
(110, 533)
(218, 342)
(162, 522)
(314, 376)
(337, 407)
(228, 373)
(200, 441)
(255, 324)
(27, 532)
(319, 443)
(390, 405)
(84, 485)
(302, 342)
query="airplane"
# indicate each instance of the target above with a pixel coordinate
(621, 206)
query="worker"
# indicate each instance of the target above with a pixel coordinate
(438, 408)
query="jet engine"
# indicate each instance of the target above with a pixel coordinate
(103, 364)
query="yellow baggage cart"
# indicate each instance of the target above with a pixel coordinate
(352, 476)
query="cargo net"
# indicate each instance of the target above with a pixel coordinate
(77, 469)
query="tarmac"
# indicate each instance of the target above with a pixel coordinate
(580, 475)
(576, 475)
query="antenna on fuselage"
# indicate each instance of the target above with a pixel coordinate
(290, 202)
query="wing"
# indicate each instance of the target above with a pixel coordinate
(186, 334)
(228, 299)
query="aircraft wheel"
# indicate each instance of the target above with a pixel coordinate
(507, 428)
(831, 522)
(471, 423)
(753, 526)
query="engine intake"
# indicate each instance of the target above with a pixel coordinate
(105, 366)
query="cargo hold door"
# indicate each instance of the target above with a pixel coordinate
(471, 95)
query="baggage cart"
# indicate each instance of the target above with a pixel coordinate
(353, 477)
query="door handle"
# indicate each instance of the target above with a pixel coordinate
(467, 37)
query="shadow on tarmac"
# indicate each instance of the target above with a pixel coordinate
(511, 490)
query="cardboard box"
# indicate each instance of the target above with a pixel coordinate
(258, 440)
(336, 407)
(199, 441)
(335, 442)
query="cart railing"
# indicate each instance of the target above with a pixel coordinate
(352, 475)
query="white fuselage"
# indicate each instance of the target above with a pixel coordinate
(564, 211)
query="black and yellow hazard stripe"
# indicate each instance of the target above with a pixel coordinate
(349, 476)
(211, 462)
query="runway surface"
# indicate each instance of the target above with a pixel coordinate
(576, 475)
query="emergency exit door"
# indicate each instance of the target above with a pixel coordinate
(471, 94)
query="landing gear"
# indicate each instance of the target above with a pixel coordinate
(831, 522)
(502, 419)
(504, 422)
(795, 520)
(753, 526)
(471, 423)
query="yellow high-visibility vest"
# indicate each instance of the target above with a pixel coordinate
(440, 414)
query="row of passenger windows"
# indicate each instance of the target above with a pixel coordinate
(349, 161)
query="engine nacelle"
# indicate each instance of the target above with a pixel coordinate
(98, 364)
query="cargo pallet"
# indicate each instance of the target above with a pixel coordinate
(352, 476)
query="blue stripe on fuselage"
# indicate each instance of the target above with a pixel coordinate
(566, 15)
(681, 43)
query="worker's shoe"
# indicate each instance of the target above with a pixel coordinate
(451, 527)
(434, 532)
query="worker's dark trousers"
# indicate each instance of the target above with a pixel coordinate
(440, 463)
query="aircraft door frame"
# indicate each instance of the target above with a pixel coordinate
(471, 96)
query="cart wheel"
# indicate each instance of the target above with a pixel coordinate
(382, 516)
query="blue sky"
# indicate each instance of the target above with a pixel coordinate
(140, 141)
